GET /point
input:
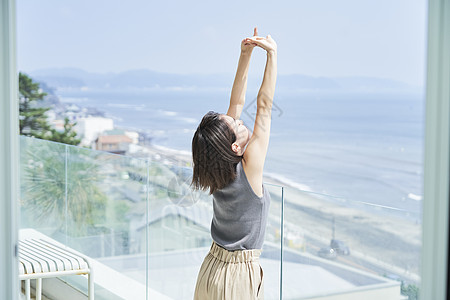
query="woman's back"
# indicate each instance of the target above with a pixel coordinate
(240, 216)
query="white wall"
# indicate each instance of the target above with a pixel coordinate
(90, 128)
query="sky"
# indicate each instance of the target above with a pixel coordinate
(376, 38)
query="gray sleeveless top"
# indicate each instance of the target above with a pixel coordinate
(240, 216)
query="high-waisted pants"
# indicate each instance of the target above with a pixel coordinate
(230, 275)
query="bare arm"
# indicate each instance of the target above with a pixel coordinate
(255, 154)
(237, 98)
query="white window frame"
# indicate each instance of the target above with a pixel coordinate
(434, 265)
(9, 152)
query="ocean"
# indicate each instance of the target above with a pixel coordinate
(362, 148)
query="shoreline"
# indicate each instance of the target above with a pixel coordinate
(183, 157)
(373, 235)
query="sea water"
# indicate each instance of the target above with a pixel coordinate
(360, 148)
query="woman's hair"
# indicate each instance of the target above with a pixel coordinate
(214, 162)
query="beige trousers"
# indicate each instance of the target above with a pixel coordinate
(230, 275)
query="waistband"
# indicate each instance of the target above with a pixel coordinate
(236, 256)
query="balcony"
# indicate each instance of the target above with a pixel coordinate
(147, 232)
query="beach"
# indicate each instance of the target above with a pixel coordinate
(381, 243)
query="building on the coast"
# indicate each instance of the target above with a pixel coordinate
(117, 144)
(133, 135)
(116, 141)
(89, 128)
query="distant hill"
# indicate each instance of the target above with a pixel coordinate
(143, 78)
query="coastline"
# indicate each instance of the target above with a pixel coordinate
(184, 158)
(377, 241)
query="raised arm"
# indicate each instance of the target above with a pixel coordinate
(255, 154)
(237, 98)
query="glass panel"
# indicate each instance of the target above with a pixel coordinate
(139, 221)
(335, 246)
(271, 254)
(42, 186)
(107, 200)
(178, 230)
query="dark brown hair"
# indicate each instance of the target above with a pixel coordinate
(214, 161)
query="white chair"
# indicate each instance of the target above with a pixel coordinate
(42, 259)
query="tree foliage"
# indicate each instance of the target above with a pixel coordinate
(68, 136)
(32, 115)
(62, 186)
(32, 119)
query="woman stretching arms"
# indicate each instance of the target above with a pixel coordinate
(228, 161)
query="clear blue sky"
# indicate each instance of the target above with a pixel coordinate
(381, 38)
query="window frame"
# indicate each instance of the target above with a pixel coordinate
(435, 232)
(9, 149)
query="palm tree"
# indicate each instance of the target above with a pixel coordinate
(60, 185)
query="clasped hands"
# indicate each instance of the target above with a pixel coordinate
(267, 43)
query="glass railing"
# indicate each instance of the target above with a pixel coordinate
(138, 218)
(333, 246)
(148, 232)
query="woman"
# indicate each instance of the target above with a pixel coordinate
(229, 161)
